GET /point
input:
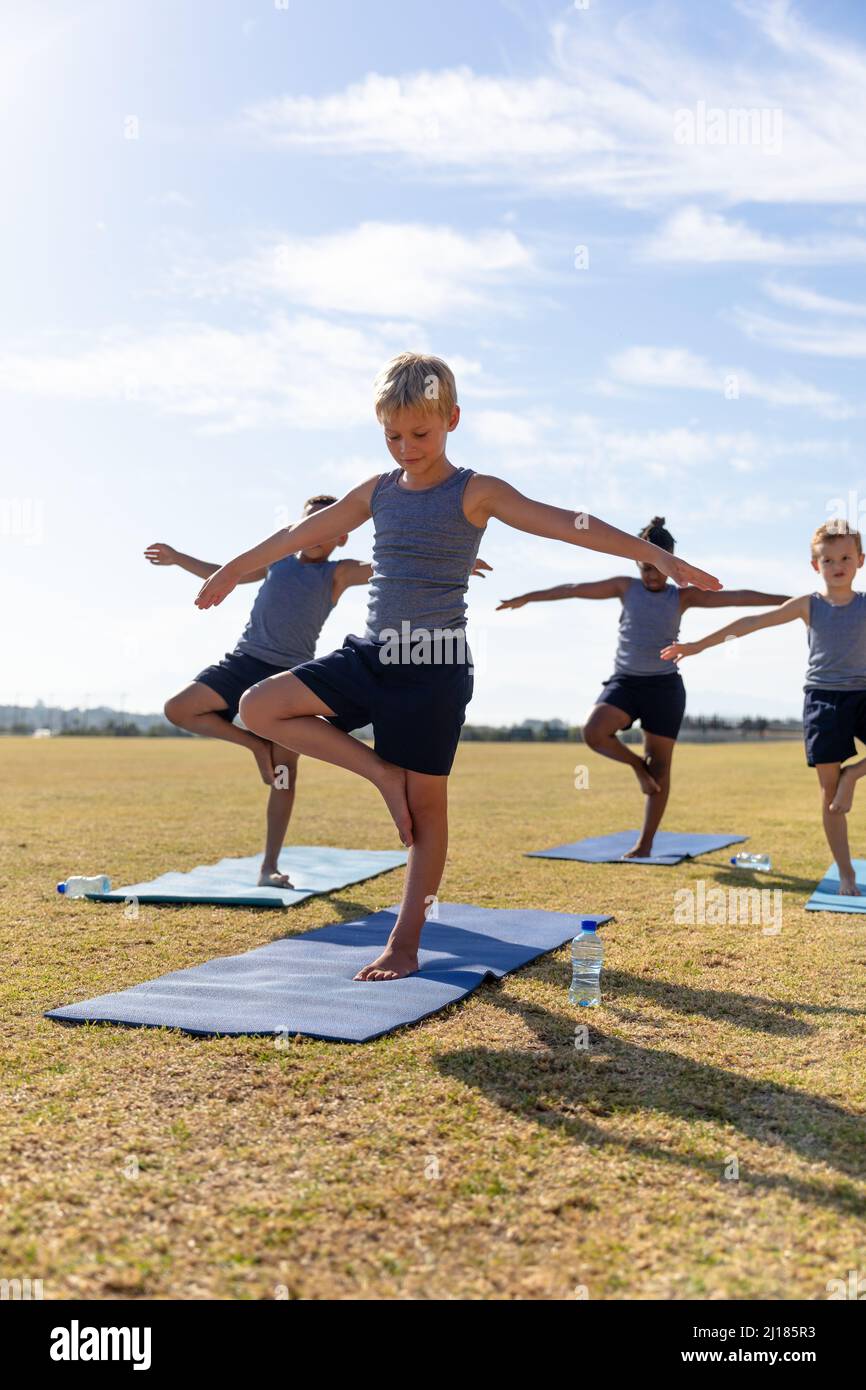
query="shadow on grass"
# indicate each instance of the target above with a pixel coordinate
(750, 1011)
(562, 1087)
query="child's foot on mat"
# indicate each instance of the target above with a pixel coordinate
(265, 759)
(843, 798)
(639, 851)
(272, 878)
(392, 785)
(395, 963)
(648, 784)
(848, 887)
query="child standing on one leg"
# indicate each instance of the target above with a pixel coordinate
(834, 707)
(411, 673)
(298, 593)
(643, 686)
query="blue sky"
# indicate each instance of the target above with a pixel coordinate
(222, 218)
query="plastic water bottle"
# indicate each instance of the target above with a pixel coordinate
(761, 862)
(587, 954)
(78, 887)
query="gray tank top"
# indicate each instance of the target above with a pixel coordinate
(648, 622)
(837, 644)
(423, 553)
(289, 611)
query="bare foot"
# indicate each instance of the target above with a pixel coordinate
(272, 878)
(395, 963)
(639, 851)
(843, 798)
(848, 887)
(263, 754)
(392, 785)
(648, 784)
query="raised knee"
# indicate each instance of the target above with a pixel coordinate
(592, 736)
(250, 707)
(173, 709)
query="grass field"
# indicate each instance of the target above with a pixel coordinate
(478, 1154)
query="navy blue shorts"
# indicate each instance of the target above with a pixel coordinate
(659, 702)
(417, 712)
(233, 676)
(831, 721)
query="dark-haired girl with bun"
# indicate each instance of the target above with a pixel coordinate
(643, 687)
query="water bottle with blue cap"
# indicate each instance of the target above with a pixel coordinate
(587, 954)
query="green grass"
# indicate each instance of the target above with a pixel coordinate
(478, 1154)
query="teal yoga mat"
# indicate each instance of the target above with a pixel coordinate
(826, 897)
(311, 868)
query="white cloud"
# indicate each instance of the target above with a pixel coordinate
(680, 369)
(797, 297)
(817, 340)
(604, 119)
(693, 236)
(380, 269)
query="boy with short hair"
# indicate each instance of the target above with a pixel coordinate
(290, 609)
(834, 706)
(429, 518)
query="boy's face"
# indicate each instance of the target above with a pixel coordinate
(653, 579)
(416, 438)
(837, 560)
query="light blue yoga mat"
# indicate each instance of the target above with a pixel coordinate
(669, 847)
(311, 868)
(303, 984)
(827, 898)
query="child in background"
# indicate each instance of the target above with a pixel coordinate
(643, 686)
(411, 673)
(290, 609)
(834, 707)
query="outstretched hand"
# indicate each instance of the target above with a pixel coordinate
(677, 650)
(215, 589)
(684, 574)
(479, 567)
(161, 554)
(512, 602)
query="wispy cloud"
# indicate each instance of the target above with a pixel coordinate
(679, 369)
(380, 269)
(694, 236)
(606, 119)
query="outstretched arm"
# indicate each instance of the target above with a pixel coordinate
(595, 588)
(730, 598)
(487, 497)
(161, 554)
(785, 613)
(322, 526)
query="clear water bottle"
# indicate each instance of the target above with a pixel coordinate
(77, 887)
(587, 954)
(761, 862)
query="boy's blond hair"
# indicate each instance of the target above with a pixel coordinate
(412, 380)
(832, 530)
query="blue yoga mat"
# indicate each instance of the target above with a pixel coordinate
(827, 898)
(669, 847)
(303, 984)
(311, 868)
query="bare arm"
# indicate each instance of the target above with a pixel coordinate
(350, 512)
(596, 588)
(741, 627)
(487, 497)
(348, 574)
(161, 554)
(730, 598)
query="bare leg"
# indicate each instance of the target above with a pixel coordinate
(281, 801)
(428, 802)
(287, 712)
(850, 775)
(836, 829)
(195, 709)
(600, 734)
(659, 752)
